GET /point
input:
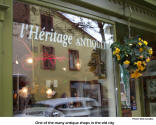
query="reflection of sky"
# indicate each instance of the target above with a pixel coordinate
(90, 26)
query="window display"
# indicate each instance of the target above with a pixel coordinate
(62, 64)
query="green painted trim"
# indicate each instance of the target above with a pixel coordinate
(3, 8)
(1, 96)
(77, 7)
(148, 3)
(1, 15)
(65, 7)
(142, 102)
(91, 6)
(120, 15)
(6, 101)
(116, 73)
(117, 76)
(119, 93)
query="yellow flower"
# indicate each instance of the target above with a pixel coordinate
(144, 63)
(118, 57)
(140, 39)
(136, 74)
(127, 62)
(138, 63)
(150, 51)
(140, 49)
(141, 68)
(114, 52)
(145, 42)
(117, 50)
(140, 44)
(148, 59)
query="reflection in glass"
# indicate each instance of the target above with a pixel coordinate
(62, 64)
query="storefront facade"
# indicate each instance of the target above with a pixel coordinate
(56, 58)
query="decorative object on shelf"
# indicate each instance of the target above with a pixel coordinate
(133, 54)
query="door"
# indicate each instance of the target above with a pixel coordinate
(150, 96)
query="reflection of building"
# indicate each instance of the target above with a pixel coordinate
(76, 68)
(134, 16)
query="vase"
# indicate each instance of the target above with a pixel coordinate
(125, 65)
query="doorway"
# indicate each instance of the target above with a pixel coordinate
(149, 87)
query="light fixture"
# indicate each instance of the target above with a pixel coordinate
(24, 92)
(17, 62)
(29, 60)
(78, 65)
(64, 69)
(49, 93)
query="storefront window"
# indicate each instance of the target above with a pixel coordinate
(74, 63)
(46, 22)
(48, 57)
(62, 64)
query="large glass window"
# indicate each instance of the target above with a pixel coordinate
(62, 64)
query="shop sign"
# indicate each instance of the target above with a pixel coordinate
(54, 37)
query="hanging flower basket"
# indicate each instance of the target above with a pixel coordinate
(133, 54)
